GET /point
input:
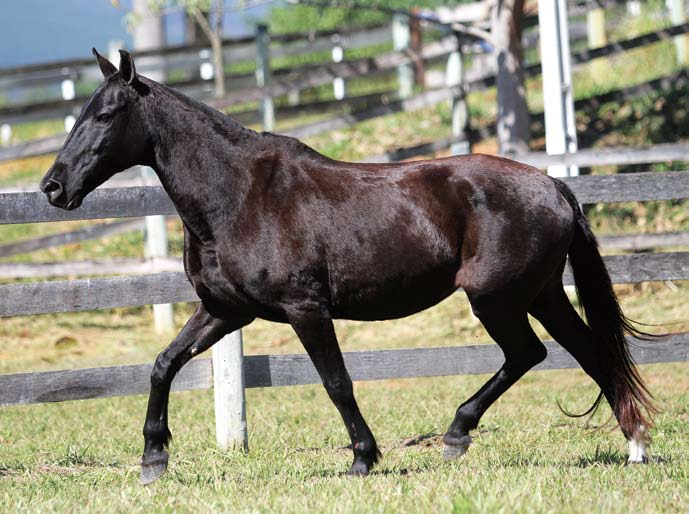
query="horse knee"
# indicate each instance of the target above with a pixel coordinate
(160, 371)
(524, 358)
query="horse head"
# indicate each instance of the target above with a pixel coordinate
(108, 137)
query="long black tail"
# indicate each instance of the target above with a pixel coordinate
(607, 323)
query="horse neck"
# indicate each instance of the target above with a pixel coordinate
(202, 157)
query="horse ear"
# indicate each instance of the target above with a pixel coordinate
(106, 67)
(127, 68)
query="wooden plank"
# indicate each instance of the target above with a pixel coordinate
(162, 264)
(324, 74)
(92, 267)
(81, 384)
(610, 156)
(414, 103)
(644, 241)
(98, 293)
(33, 148)
(296, 369)
(74, 236)
(171, 287)
(643, 267)
(171, 50)
(126, 202)
(628, 187)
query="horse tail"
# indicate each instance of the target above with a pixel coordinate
(608, 325)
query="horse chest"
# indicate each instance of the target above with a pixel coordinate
(214, 288)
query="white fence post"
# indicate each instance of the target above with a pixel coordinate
(263, 76)
(401, 40)
(338, 56)
(454, 77)
(69, 92)
(5, 134)
(155, 246)
(678, 15)
(560, 128)
(230, 404)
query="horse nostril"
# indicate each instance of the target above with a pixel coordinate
(53, 189)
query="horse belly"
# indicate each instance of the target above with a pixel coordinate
(395, 297)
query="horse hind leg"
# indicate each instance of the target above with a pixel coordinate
(557, 315)
(509, 326)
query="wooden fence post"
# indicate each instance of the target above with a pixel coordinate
(401, 39)
(230, 403)
(263, 75)
(678, 15)
(338, 56)
(416, 44)
(454, 77)
(155, 245)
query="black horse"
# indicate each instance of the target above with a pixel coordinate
(275, 230)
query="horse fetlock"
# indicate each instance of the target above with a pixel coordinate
(455, 447)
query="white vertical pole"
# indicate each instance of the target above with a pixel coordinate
(230, 403)
(114, 47)
(68, 90)
(338, 56)
(263, 76)
(155, 246)
(149, 33)
(401, 40)
(454, 77)
(633, 7)
(560, 128)
(5, 134)
(678, 15)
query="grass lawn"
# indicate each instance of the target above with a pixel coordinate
(527, 456)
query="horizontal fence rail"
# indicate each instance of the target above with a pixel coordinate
(172, 287)
(32, 207)
(646, 241)
(297, 369)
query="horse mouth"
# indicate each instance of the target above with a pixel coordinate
(62, 203)
(73, 203)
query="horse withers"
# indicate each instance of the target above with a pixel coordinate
(275, 230)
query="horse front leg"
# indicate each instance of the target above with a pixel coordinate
(317, 334)
(200, 333)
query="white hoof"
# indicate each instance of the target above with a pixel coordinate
(637, 446)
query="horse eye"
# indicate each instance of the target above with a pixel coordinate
(104, 118)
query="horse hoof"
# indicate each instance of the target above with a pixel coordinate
(456, 447)
(358, 469)
(153, 467)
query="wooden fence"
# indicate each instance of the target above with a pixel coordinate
(366, 106)
(283, 370)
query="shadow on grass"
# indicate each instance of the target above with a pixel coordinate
(614, 458)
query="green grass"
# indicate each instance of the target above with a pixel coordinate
(526, 457)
